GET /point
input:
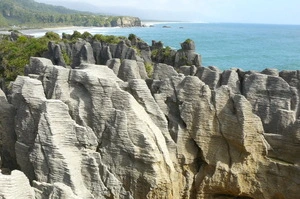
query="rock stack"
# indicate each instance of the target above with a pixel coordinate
(109, 131)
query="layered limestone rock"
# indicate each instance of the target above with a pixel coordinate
(90, 135)
(7, 134)
(187, 55)
(126, 22)
(100, 131)
(15, 186)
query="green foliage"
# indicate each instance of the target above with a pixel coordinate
(164, 53)
(149, 69)
(15, 55)
(52, 36)
(167, 51)
(155, 52)
(66, 58)
(132, 37)
(188, 41)
(86, 35)
(76, 35)
(107, 38)
(138, 51)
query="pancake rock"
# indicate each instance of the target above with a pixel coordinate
(99, 131)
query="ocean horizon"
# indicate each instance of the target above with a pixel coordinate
(224, 45)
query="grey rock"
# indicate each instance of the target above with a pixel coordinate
(114, 64)
(209, 76)
(55, 54)
(232, 80)
(15, 186)
(188, 70)
(82, 52)
(293, 79)
(188, 45)
(27, 96)
(273, 100)
(184, 57)
(157, 45)
(187, 55)
(163, 71)
(7, 134)
(145, 51)
(101, 52)
(131, 69)
(270, 71)
(82, 134)
(37, 65)
(85, 133)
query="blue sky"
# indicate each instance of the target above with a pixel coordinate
(238, 11)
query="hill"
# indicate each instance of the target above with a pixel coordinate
(31, 14)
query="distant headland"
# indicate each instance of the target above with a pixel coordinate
(20, 14)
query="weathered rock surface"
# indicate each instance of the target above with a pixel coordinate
(187, 55)
(131, 69)
(163, 71)
(7, 134)
(101, 132)
(15, 186)
(126, 22)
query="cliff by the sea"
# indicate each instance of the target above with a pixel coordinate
(134, 121)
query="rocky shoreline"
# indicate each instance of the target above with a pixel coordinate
(130, 120)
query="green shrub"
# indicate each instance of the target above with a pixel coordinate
(66, 57)
(167, 51)
(15, 55)
(188, 41)
(132, 37)
(154, 52)
(76, 35)
(52, 36)
(149, 69)
(138, 51)
(86, 35)
(108, 38)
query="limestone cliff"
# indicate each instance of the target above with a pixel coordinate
(97, 131)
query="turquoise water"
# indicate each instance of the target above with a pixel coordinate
(245, 46)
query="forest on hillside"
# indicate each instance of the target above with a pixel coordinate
(30, 14)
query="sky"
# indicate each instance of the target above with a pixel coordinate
(228, 11)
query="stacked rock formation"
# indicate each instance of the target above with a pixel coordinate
(109, 131)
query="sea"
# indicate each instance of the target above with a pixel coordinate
(224, 45)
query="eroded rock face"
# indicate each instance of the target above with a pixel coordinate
(7, 134)
(99, 132)
(15, 186)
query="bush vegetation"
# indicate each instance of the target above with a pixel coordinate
(149, 69)
(14, 55)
